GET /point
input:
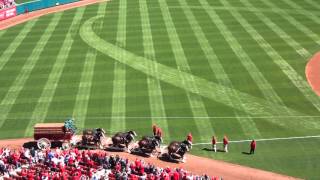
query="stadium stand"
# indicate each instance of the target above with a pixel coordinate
(6, 4)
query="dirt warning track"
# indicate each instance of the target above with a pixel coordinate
(194, 164)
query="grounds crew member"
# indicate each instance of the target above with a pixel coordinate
(225, 143)
(252, 146)
(159, 132)
(214, 143)
(189, 138)
(154, 129)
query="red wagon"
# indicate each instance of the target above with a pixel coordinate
(45, 133)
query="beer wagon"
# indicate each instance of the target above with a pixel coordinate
(45, 133)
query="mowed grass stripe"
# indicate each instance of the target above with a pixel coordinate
(248, 125)
(265, 87)
(223, 77)
(312, 3)
(256, 106)
(6, 55)
(197, 106)
(10, 99)
(154, 87)
(214, 63)
(118, 121)
(296, 23)
(262, 83)
(42, 107)
(281, 33)
(137, 99)
(313, 17)
(2, 32)
(100, 104)
(300, 83)
(265, 74)
(85, 85)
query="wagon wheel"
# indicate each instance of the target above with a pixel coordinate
(155, 153)
(101, 143)
(43, 143)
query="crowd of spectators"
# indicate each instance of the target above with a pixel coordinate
(6, 4)
(76, 164)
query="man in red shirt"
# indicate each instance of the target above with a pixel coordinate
(159, 132)
(214, 143)
(252, 146)
(225, 143)
(154, 129)
(176, 175)
(189, 137)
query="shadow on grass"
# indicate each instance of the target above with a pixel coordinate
(246, 153)
(209, 149)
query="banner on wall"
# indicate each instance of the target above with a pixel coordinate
(8, 13)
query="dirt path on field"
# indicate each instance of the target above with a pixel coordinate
(194, 164)
(35, 14)
(313, 73)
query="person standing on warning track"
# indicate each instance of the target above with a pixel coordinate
(189, 138)
(154, 129)
(214, 143)
(252, 146)
(159, 132)
(225, 143)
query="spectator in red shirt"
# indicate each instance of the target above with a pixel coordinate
(225, 143)
(176, 175)
(252, 146)
(214, 143)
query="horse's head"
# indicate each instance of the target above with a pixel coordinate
(158, 138)
(133, 133)
(101, 130)
(188, 144)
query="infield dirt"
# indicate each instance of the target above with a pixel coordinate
(313, 73)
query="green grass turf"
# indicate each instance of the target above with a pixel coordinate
(252, 54)
(22, 1)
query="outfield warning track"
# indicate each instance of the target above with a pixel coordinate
(208, 166)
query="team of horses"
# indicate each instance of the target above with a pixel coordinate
(124, 141)
(150, 145)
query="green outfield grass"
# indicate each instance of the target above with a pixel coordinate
(22, 1)
(207, 67)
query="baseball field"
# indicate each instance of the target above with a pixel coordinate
(210, 67)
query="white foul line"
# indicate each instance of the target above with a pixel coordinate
(270, 139)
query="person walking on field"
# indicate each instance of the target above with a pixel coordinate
(189, 138)
(225, 143)
(252, 146)
(214, 143)
(159, 133)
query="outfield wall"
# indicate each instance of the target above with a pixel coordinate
(40, 4)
